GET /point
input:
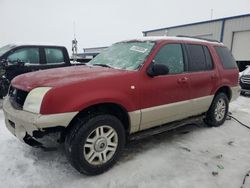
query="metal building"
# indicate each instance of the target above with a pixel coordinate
(233, 31)
(89, 53)
(94, 50)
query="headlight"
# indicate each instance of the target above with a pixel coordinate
(34, 99)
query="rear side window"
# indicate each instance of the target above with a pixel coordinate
(209, 61)
(199, 58)
(54, 55)
(226, 57)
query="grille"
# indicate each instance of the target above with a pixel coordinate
(245, 79)
(17, 97)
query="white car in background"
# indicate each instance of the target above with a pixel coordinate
(245, 80)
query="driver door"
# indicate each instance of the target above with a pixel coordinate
(166, 98)
(22, 60)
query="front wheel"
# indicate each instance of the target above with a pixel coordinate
(95, 144)
(217, 113)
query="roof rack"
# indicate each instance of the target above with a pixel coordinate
(210, 40)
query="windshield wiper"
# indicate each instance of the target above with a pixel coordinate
(102, 65)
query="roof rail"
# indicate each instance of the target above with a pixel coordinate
(210, 40)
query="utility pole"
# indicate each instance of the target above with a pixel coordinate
(74, 44)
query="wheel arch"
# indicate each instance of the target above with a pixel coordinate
(102, 108)
(226, 90)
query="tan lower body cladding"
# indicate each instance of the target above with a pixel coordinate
(158, 115)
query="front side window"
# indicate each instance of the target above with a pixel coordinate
(124, 55)
(26, 55)
(54, 55)
(171, 55)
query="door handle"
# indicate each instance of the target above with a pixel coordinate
(183, 80)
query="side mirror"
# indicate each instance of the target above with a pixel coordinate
(20, 62)
(157, 70)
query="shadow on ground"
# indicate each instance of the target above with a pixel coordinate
(141, 145)
(58, 159)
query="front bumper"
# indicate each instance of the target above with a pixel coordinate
(23, 124)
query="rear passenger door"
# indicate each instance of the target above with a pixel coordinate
(54, 57)
(202, 77)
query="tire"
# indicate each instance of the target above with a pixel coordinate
(95, 144)
(1, 94)
(1, 90)
(243, 93)
(4, 86)
(217, 113)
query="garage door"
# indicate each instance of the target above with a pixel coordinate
(241, 46)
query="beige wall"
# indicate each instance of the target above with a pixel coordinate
(156, 33)
(210, 30)
(206, 30)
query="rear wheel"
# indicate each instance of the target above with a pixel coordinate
(217, 113)
(95, 144)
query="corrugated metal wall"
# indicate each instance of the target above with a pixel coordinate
(211, 30)
(208, 30)
(221, 29)
(156, 33)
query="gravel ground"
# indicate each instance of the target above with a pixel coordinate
(202, 157)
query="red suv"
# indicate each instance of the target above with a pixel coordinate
(132, 86)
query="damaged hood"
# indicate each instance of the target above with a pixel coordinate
(62, 76)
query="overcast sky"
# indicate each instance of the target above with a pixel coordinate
(102, 22)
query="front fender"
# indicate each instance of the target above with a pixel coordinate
(61, 103)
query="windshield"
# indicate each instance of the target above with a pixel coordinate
(124, 55)
(6, 48)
